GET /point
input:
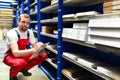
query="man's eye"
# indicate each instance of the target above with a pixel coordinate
(23, 21)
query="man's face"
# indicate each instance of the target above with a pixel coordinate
(23, 24)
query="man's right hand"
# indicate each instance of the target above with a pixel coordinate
(36, 46)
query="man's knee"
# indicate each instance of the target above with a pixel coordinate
(20, 63)
(44, 55)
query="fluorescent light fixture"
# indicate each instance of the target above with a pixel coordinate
(5, 4)
(8, 0)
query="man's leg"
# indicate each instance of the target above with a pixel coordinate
(36, 60)
(16, 65)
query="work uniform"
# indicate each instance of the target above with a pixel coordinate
(19, 63)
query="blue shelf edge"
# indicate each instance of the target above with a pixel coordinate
(46, 72)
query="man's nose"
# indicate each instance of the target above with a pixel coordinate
(26, 24)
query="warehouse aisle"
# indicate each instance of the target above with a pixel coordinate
(37, 74)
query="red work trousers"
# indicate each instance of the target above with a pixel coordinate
(17, 64)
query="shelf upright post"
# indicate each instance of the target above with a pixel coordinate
(17, 14)
(28, 5)
(38, 20)
(59, 41)
(22, 6)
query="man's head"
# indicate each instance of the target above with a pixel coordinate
(23, 22)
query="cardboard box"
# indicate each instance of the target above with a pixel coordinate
(111, 11)
(6, 17)
(6, 11)
(48, 29)
(110, 0)
(5, 26)
(112, 8)
(111, 3)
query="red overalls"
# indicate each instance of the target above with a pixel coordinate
(19, 63)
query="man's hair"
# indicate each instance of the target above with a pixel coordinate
(23, 15)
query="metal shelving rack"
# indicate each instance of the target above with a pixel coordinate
(60, 20)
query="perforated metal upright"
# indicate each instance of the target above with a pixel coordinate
(59, 42)
(22, 6)
(38, 19)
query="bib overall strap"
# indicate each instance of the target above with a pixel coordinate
(28, 35)
(17, 34)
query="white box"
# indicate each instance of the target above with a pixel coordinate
(87, 14)
(80, 25)
(106, 22)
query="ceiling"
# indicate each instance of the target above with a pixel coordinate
(7, 3)
(8, 0)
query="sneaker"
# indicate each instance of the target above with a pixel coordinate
(13, 78)
(25, 72)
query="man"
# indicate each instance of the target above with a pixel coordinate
(18, 57)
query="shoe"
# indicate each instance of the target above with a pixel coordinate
(13, 78)
(25, 72)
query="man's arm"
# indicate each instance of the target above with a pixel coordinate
(19, 53)
(12, 40)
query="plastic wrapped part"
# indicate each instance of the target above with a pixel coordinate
(69, 16)
(70, 55)
(87, 14)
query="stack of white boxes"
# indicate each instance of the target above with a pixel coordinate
(104, 31)
(78, 32)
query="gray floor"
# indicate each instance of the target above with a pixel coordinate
(37, 74)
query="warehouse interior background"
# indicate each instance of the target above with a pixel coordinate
(84, 37)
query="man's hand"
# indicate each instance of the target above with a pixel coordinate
(36, 46)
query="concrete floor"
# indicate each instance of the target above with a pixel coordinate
(37, 73)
